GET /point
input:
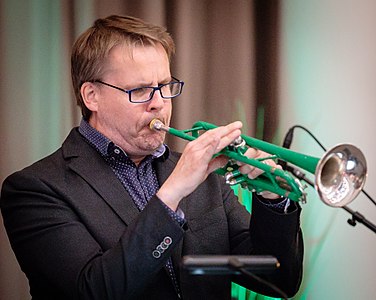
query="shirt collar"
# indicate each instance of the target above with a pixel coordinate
(102, 143)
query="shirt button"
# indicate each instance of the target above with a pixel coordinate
(117, 151)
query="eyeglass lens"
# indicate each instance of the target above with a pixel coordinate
(168, 90)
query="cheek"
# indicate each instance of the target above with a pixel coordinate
(168, 113)
(118, 108)
(116, 114)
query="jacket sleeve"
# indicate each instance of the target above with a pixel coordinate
(267, 232)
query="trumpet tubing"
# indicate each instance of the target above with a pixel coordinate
(340, 173)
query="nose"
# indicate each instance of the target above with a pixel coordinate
(157, 102)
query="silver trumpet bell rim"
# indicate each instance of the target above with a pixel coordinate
(340, 175)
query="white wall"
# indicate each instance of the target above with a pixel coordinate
(328, 85)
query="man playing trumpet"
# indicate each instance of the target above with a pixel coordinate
(111, 213)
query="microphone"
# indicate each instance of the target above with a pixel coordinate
(288, 138)
(296, 172)
(287, 144)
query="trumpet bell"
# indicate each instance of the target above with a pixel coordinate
(340, 175)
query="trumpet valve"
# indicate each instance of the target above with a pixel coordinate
(238, 142)
(230, 178)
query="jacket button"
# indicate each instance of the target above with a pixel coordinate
(167, 240)
(156, 254)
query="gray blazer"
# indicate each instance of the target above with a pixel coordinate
(78, 235)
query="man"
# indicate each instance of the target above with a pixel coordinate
(112, 212)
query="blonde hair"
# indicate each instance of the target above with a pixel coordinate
(93, 46)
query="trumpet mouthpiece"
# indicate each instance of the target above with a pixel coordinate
(156, 124)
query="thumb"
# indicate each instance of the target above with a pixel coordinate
(217, 162)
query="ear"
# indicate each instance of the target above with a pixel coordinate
(89, 93)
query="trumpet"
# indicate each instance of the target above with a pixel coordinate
(340, 173)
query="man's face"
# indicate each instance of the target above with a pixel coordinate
(126, 123)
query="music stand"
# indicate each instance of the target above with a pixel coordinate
(229, 264)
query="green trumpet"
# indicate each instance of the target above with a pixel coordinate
(340, 173)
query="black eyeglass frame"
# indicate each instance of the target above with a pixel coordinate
(151, 95)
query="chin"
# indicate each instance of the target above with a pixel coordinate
(151, 143)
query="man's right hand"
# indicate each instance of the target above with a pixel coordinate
(197, 162)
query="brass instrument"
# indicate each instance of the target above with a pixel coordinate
(339, 175)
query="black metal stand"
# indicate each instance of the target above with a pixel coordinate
(358, 217)
(222, 264)
(245, 265)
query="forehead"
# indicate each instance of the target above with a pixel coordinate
(137, 65)
(137, 56)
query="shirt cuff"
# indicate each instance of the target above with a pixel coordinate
(177, 215)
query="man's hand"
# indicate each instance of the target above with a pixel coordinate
(252, 172)
(197, 162)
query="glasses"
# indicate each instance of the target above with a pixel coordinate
(144, 94)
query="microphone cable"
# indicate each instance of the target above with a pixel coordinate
(239, 266)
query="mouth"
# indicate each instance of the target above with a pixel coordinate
(148, 124)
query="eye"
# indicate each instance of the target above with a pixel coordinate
(142, 91)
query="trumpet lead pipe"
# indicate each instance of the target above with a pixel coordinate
(157, 124)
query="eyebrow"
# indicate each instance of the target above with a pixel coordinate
(164, 81)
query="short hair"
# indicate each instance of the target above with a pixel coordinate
(93, 46)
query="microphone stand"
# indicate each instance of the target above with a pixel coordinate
(358, 217)
(355, 216)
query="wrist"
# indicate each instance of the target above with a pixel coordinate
(169, 197)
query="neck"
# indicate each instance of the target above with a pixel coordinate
(136, 159)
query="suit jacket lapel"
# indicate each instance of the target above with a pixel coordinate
(87, 163)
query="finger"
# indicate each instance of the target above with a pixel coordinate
(227, 134)
(253, 172)
(197, 156)
(204, 147)
(250, 153)
(246, 169)
(216, 163)
(255, 153)
(269, 195)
